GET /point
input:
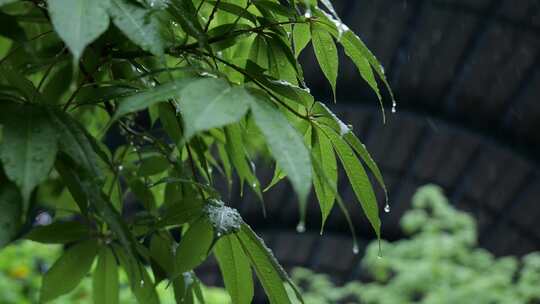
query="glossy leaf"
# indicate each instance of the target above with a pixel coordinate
(11, 215)
(68, 271)
(140, 282)
(235, 269)
(326, 53)
(59, 233)
(301, 37)
(285, 144)
(76, 142)
(357, 177)
(105, 285)
(194, 246)
(271, 275)
(143, 100)
(28, 146)
(235, 150)
(79, 22)
(325, 184)
(138, 25)
(209, 103)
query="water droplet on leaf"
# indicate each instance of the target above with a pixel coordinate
(301, 227)
(387, 208)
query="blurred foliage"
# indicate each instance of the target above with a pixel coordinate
(22, 265)
(439, 262)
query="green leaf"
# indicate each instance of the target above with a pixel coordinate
(143, 100)
(79, 22)
(194, 246)
(11, 215)
(268, 270)
(328, 118)
(105, 286)
(138, 25)
(4, 2)
(357, 177)
(281, 60)
(235, 269)
(68, 271)
(235, 150)
(362, 63)
(153, 164)
(24, 86)
(325, 190)
(59, 233)
(209, 103)
(352, 42)
(364, 154)
(161, 251)
(140, 282)
(29, 146)
(326, 53)
(143, 194)
(170, 122)
(286, 145)
(301, 37)
(76, 143)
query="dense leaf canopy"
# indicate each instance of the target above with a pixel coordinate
(119, 117)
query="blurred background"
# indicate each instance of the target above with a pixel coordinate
(466, 75)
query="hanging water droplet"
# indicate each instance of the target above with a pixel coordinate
(141, 283)
(301, 227)
(120, 167)
(379, 257)
(394, 109)
(218, 234)
(254, 185)
(307, 14)
(387, 208)
(355, 249)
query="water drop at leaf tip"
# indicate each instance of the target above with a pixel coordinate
(387, 208)
(301, 227)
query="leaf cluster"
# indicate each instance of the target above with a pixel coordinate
(187, 87)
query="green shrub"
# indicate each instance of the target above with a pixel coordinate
(439, 262)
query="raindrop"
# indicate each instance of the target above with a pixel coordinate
(142, 283)
(387, 208)
(218, 234)
(355, 249)
(393, 109)
(254, 185)
(43, 219)
(120, 167)
(301, 227)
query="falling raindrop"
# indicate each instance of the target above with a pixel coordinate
(301, 227)
(387, 208)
